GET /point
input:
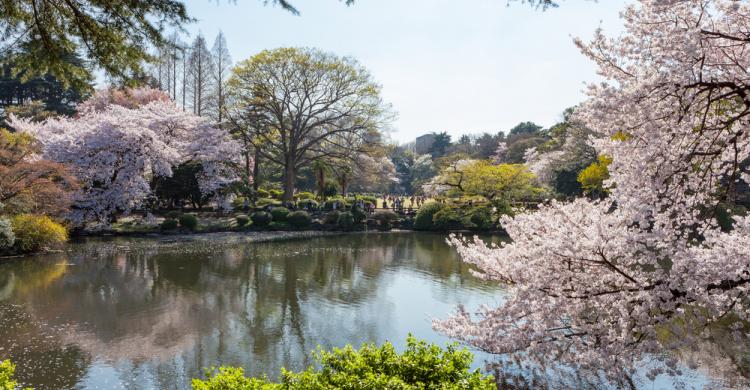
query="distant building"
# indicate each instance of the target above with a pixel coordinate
(423, 144)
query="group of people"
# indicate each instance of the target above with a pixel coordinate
(398, 203)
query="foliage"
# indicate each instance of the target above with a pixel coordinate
(424, 218)
(261, 193)
(332, 217)
(7, 238)
(29, 184)
(7, 372)
(36, 232)
(305, 195)
(169, 224)
(281, 99)
(359, 215)
(346, 220)
(307, 202)
(263, 202)
(276, 194)
(445, 219)
(242, 220)
(188, 221)
(592, 178)
(261, 218)
(478, 218)
(596, 281)
(481, 177)
(183, 185)
(420, 366)
(385, 219)
(330, 189)
(300, 219)
(279, 214)
(116, 150)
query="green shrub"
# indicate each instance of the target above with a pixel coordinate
(478, 218)
(346, 220)
(7, 238)
(311, 204)
(263, 202)
(261, 218)
(188, 221)
(420, 366)
(445, 218)
(305, 195)
(423, 220)
(261, 193)
(385, 219)
(370, 199)
(279, 213)
(174, 214)
(7, 372)
(242, 220)
(36, 232)
(330, 189)
(331, 217)
(276, 194)
(169, 224)
(299, 219)
(359, 215)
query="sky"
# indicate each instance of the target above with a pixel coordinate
(460, 66)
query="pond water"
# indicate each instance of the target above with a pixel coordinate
(143, 313)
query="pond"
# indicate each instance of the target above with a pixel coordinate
(141, 313)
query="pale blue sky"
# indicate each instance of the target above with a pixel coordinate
(461, 66)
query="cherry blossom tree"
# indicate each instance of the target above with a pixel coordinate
(115, 150)
(614, 285)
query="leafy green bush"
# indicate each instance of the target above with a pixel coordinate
(370, 199)
(328, 205)
(7, 238)
(305, 195)
(478, 218)
(189, 221)
(346, 220)
(420, 366)
(299, 219)
(330, 189)
(174, 214)
(331, 218)
(359, 215)
(263, 202)
(445, 219)
(311, 204)
(261, 193)
(7, 372)
(276, 194)
(169, 224)
(36, 232)
(242, 220)
(423, 220)
(279, 213)
(261, 218)
(385, 219)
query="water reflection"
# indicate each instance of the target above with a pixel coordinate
(142, 313)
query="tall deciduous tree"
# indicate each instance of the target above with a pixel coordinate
(222, 65)
(596, 284)
(201, 71)
(302, 105)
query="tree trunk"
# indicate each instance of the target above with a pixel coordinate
(290, 179)
(321, 176)
(256, 170)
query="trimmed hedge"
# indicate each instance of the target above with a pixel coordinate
(261, 218)
(242, 220)
(346, 220)
(188, 221)
(331, 218)
(169, 224)
(279, 213)
(300, 219)
(423, 220)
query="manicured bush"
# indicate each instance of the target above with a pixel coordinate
(169, 224)
(330, 189)
(445, 219)
(359, 215)
(385, 219)
(261, 193)
(279, 213)
(7, 238)
(263, 202)
(242, 220)
(331, 217)
(261, 218)
(311, 204)
(370, 199)
(346, 220)
(7, 372)
(478, 218)
(174, 214)
(36, 232)
(188, 221)
(305, 195)
(423, 220)
(420, 366)
(276, 194)
(300, 219)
